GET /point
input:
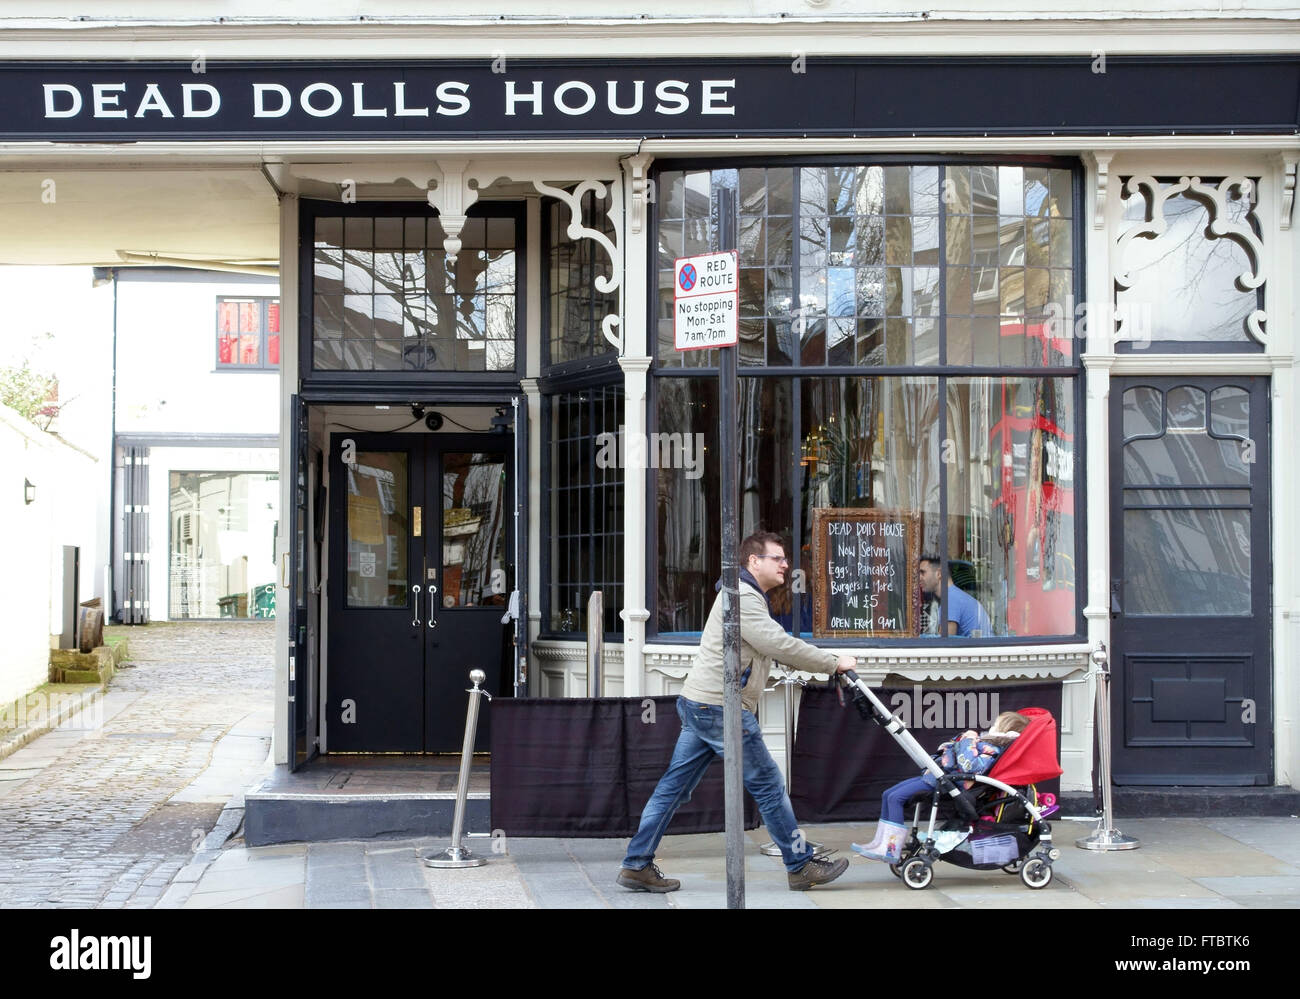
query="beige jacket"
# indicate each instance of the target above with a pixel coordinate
(762, 640)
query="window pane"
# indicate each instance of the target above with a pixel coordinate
(1011, 503)
(575, 306)
(474, 510)
(1187, 562)
(392, 292)
(686, 506)
(378, 511)
(221, 562)
(585, 503)
(1185, 281)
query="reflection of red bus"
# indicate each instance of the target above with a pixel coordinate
(1033, 510)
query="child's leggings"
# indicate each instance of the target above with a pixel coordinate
(893, 800)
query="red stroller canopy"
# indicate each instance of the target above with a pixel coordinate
(1032, 756)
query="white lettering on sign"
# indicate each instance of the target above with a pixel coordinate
(360, 100)
(707, 301)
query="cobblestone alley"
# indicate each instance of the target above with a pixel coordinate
(104, 810)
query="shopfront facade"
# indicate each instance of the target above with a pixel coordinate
(1037, 307)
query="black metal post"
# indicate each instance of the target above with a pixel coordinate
(733, 762)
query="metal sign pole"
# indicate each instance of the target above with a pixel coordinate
(1106, 836)
(733, 761)
(457, 855)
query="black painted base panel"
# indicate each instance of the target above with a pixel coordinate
(1189, 802)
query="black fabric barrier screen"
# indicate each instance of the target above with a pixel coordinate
(843, 762)
(586, 767)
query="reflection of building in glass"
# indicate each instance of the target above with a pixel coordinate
(222, 557)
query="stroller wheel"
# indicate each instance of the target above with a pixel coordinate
(918, 873)
(1036, 873)
(896, 870)
(1013, 867)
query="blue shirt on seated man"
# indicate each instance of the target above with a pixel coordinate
(966, 618)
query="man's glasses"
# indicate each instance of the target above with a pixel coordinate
(779, 558)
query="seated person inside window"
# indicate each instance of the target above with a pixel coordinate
(966, 618)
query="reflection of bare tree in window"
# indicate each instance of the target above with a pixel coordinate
(1188, 276)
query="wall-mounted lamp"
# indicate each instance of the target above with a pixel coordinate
(29, 492)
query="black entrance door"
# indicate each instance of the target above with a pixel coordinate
(1190, 581)
(419, 582)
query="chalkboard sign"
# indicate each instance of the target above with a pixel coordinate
(865, 573)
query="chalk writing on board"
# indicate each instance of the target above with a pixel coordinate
(865, 572)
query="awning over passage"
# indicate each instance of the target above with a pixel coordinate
(129, 215)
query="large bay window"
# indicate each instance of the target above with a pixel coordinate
(904, 347)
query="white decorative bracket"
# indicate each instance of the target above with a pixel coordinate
(638, 170)
(1101, 162)
(1287, 163)
(1241, 233)
(453, 197)
(577, 230)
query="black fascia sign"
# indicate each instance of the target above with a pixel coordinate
(233, 100)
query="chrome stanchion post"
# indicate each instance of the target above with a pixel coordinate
(787, 683)
(596, 644)
(457, 855)
(1105, 836)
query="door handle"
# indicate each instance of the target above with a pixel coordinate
(1116, 586)
(416, 590)
(433, 594)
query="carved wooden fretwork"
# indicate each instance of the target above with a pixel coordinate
(452, 197)
(639, 175)
(1101, 161)
(576, 230)
(1287, 163)
(1221, 227)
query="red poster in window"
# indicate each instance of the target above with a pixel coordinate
(248, 318)
(273, 317)
(248, 349)
(227, 317)
(273, 349)
(225, 349)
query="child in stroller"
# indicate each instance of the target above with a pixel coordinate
(969, 753)
(982, 821)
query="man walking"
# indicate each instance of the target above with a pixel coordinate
(763, 567)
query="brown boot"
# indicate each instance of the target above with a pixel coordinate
(649, 878)
(816, 872)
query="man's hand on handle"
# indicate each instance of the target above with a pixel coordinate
(845, 664)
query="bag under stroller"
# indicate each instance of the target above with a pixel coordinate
(996, 823)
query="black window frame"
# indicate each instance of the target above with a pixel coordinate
(312, 209)
(940, 370)
(603, 353)
(553, 389)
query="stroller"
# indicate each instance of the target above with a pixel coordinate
(997, 824)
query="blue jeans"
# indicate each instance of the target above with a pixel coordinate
(893, 802)
(699, 743)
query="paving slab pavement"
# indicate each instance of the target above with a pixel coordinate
(1182, 864)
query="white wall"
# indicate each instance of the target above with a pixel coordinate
(63, 302)
(167, 377)
(31, 602)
